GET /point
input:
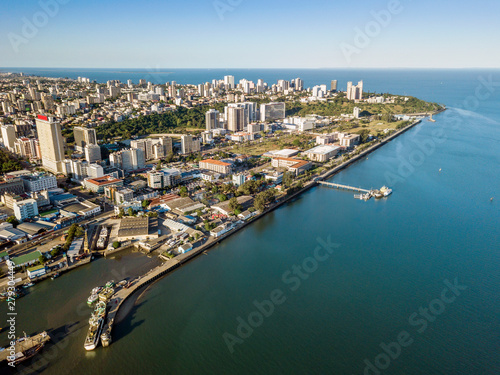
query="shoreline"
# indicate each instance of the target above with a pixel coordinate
(170, 265)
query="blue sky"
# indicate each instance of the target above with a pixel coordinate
(249, 34)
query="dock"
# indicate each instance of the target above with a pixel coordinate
(23, 346)
(123, 294)
(344, 187)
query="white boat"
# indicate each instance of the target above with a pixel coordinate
(385, 191)
(92, 299)
(96, 290)
(94, 334)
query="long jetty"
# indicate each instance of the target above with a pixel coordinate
(343, 187)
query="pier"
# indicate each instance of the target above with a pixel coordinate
(343, 187)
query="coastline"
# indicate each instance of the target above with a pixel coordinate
(177, 262)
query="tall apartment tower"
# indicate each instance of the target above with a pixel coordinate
(51, 144)
(83, 137)
(9, 137)
(229, 82)
(212, 119)
(235, 119)
(333, 86)
(354, 92)
(166, 142)
(189, 144)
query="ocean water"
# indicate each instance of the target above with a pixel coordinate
(407, 285)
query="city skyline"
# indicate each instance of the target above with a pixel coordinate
(289, 35)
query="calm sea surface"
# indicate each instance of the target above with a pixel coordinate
(383, 280)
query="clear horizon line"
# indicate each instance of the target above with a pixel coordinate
(241, 68)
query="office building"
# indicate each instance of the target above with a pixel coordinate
(39, 182)
(212, 119)
(25, 209)
(216, 166)
(83, 137)
(146, 145)
(189, 144)
(272, 111)
(92, 153)
(128, 160)
(164, 178)
(236, 119)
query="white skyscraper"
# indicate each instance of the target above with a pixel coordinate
(9, 137)
(354, 92)
(51, 144)
(229, 82)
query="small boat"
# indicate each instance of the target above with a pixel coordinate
(110, 284)
(439, 169)
(385, 191)
(28, 285)
(96, 290)
(55, 276)
(92, 299)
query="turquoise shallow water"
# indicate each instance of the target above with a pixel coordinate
(392, 258)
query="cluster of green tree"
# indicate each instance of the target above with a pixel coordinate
(12, 220)
(157, 123)
(235, 206)
(340, 104)
(74, 231)
(9, 162)
(264, 198)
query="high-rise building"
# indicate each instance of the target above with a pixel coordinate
(146, 145)
(92, 153)
(51, 143)
(166, 142)
(9, 137)
(128, 160)
(212, 119)
(229, 82)
(189, 144)
(27, 148)
(25, 209)
(83, 137)
(354, 92)
(235, 119)
(333, 86)
(272, 111)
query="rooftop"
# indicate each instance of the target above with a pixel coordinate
(102, 180)
(322, 149)
(216, 162)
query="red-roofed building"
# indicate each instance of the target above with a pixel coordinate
(296, 166)
(97, 184)
(216, 166)
(163, 199)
